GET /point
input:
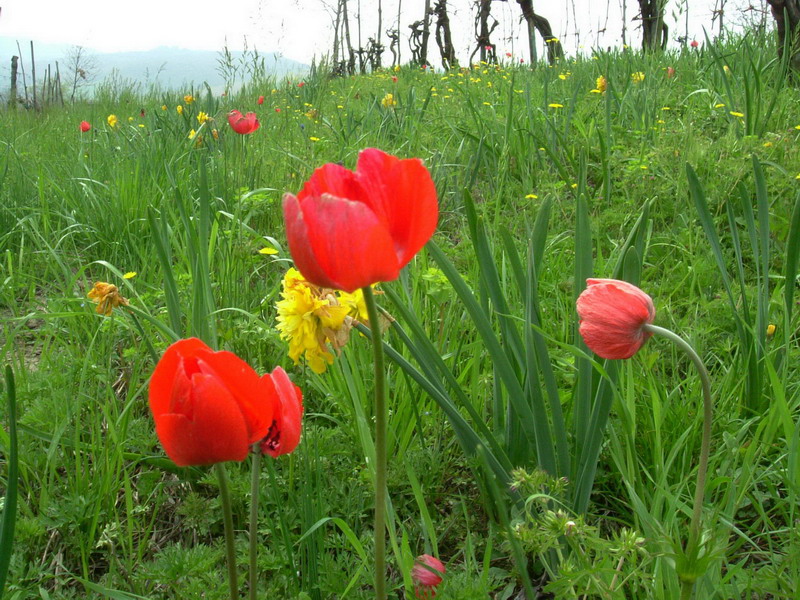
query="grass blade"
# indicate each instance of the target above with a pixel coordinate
(10, 507)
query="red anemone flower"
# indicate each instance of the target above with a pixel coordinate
(427, 575)
(211, 407)
(349, 229)
(613, 315)
(694, 44)
(243, 124)
(284, 433)
(85, 126)
(260, 100)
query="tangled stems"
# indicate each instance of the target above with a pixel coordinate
(687, 583)
(230, 550)
(380, 445)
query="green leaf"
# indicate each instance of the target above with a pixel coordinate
(10, 507)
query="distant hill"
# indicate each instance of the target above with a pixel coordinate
(168, 68)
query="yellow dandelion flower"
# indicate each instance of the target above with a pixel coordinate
(179, 108)
(202, 117)
(188, 98)
(314, 139)
(112, 120)
(106, 296)
(771, 330)
(797, 126)
(637, 77)
(719, 105)
(574, 186)
(555, 105)
(734, 113)
(767, 144)
(130, 275)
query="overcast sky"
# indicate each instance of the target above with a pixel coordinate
(301, 29)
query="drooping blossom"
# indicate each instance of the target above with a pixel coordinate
(211, 407)
(348, 229)
(85, 126)
(613, 314)
(243, 124)
(427, 574)
(106, 296)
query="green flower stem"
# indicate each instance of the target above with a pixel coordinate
(254, 520)
(227, 516)
(380, 445)
(705, 447)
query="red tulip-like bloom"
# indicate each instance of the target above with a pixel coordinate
(613, 315)
(243, 124)
(210, 407)
(260, 100)
(427, 575)
(284, 433)
(85, 126)
(349, 229)
(694, 44)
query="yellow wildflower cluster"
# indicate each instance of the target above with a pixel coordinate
(388, 101)
(637, 77)
(313, 319)
(600, 85)
(107, 297)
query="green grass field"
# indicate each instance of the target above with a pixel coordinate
(684, 179)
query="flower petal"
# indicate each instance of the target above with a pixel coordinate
(338, 243)
(215, 432)
(162, 380)
(402, 195)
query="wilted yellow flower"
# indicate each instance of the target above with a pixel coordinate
(179, 108)
(202, 117)
(357, 307)
(163, 107)
(112, 120)
(770, 330)
(188, 98)
(388, 101)
(107, 297)
(310, 318)
(638, 77)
